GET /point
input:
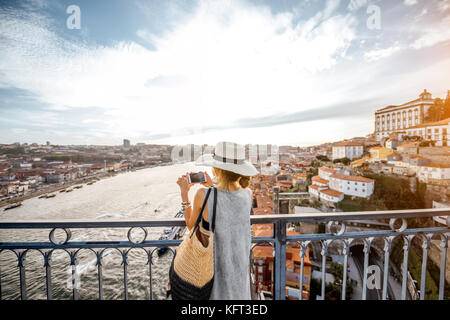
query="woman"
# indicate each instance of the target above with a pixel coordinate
(232, 234)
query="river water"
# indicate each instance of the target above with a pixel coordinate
(132, 195)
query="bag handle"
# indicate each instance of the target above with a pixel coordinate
(201, 212)
(213, 225)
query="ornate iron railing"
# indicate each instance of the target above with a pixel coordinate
(336, 223)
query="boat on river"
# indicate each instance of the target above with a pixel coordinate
(12, 206)
(51, 195)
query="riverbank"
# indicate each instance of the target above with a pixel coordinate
(57, 188)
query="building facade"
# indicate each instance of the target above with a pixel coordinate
(396, 119)
(348, 149)
(352, 185)
(439, 132)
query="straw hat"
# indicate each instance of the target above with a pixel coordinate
(228, 156)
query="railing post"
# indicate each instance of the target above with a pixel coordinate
(367, 244)
(149, 261)
(48, 273)
(324, 253)
(345, 251)
(23, 283)
(303, 248)
(280, 260)
(387, 251)
(406, 247)
(125, 277)
(75, 275)
(444, 246)
(100, 274)
(423, 278)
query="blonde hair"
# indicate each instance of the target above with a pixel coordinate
(226, 178)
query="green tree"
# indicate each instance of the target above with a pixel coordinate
(437, 111)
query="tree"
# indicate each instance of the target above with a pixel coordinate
(446, 114)
(437, 111)
(322, 158)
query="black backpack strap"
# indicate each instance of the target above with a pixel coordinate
(214, 210)
(201, 212)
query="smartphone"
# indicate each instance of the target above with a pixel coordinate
(196, 177)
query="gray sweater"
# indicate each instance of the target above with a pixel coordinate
(232, 244)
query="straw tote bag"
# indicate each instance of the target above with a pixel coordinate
(191, 273)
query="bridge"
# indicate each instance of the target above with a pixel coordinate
(336, 224)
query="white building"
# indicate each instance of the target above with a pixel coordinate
(435, 131)
(395, 119)
(348, 149)
(332, 185)
(433, 171)
(314, 190)
(352, 185)
(320, 181)
(325, 172)
(331, 195)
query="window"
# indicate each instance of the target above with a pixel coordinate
(260, 278)
(260, 269)
(363, 190)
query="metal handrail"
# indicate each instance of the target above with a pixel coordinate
(254, 219)
(280, 240)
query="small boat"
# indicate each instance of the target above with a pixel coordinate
(89, 183)
(51, 195)
(63, 190)
(78, 187)
(43, 196)
(69, 190)
(173, 233)
(12, 206)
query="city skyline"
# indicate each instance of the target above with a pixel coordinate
(286, 73)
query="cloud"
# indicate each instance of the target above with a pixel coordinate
(221, 62)
(214, 68)
(378, 54)
(356, 4)
(410, 2)
(433, 35)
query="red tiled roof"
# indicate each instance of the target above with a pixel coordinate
(352, 178)
(349, 144)
(332, 193)
(319, 179)
(316, 187)
(262, 252)
(436, 165)
(326, 169)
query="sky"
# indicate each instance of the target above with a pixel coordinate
(271, 72)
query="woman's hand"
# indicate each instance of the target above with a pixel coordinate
(185, 186)
(209, 182)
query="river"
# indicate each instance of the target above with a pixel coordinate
(132, 195)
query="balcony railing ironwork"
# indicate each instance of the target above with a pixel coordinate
(279, 240)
